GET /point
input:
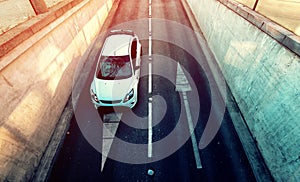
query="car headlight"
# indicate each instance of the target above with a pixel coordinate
(94, 96)
(129, 96)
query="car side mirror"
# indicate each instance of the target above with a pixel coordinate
(137, 67)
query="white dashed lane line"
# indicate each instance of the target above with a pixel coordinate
(150, 131)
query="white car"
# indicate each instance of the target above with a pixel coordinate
(117, 73)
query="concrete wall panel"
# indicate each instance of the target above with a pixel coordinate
(36, 83)
(263, 76)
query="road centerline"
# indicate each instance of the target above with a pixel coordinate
(150, 131)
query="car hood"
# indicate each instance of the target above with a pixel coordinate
(112, 89)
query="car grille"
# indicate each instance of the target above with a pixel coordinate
(110, 101)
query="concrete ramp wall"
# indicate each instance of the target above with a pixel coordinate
(260, 62)
(35, 82)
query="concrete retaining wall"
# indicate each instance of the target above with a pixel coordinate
(35, 83)
(263, 74)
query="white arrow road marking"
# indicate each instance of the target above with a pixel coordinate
(182, 85)
(110, 126)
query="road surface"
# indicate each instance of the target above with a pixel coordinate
(177, 99)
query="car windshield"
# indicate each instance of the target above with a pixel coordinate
(114, 67)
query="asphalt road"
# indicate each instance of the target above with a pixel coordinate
(175, 108)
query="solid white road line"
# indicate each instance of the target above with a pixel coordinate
(191, 128)
(150, 128)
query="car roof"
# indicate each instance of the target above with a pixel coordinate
(117, 44)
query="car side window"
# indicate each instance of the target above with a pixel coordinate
(133, 50)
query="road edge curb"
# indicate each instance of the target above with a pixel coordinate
(55, 143)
